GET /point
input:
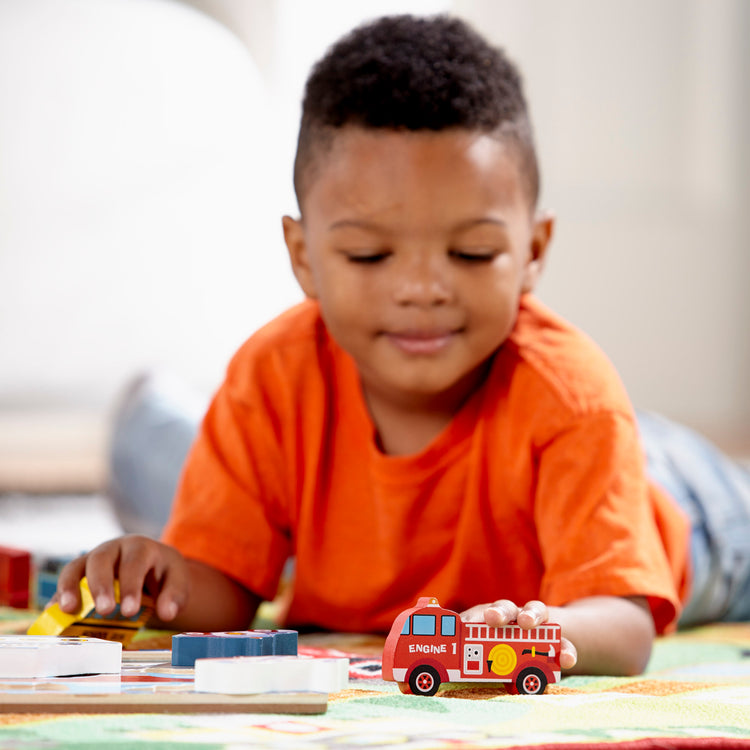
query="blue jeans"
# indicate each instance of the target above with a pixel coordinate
(158, 419)
(715, 493)
(153, 429)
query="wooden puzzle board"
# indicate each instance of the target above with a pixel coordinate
(147, 684)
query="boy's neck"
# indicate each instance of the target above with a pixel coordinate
(406, 426)
(402, 433)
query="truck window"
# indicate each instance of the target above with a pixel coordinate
(423, 624)
(448, 625)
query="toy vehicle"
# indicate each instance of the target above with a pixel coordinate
(429, 645)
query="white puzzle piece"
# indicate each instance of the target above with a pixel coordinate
(32, 656)
(244, 675)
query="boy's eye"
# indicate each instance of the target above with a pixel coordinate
(473, 256)
(367, 257)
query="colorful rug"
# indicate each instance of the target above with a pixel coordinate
(695, 694)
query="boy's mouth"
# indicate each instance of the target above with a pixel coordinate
(420, 342)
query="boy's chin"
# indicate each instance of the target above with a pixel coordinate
(432, 391)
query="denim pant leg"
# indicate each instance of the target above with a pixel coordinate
(152, 432)
(715, 493)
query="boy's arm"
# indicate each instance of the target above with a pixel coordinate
(216, 603)
(605, 634)
(612, 635)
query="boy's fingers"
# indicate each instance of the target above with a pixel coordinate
(532, 613)
(474, 614)
(503, 612)
(500, 613)
(568, 654)
(132, 560)
(68, 594)
(137, 559)
(174, 592)
(101, 571)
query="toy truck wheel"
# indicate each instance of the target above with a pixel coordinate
(531, 681)
(424, 681)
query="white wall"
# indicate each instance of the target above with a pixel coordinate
(286, 37)
(133, 162)
(139, 198)
(642, 114)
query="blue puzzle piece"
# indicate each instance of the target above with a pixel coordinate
(284, 641)
(48, 571)
(187, 647)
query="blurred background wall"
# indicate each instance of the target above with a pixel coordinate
(145, 161)
(642, 113)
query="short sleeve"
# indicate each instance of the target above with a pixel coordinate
(599, 529)
(228, 510)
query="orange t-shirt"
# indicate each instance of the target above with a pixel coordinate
(536, 490)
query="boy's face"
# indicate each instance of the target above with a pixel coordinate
(418, 246)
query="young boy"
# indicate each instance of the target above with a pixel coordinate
(421, 425)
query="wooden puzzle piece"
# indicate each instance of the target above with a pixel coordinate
(271, 674)
(165, 703)
(146, 684)
(187, 647)
(86, 622)
(15, 573)
(29, 656)
(284, 642)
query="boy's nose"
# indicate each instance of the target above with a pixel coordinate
(423, 284)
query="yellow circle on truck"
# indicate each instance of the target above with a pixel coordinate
(502, 659)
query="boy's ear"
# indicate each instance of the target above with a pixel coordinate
(544, 224)
(294, 236)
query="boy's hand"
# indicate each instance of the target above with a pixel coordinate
(138, 563)
(532, 614)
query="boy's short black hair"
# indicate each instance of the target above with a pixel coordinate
(415, 73)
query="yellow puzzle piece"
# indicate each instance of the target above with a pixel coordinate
(86, 622)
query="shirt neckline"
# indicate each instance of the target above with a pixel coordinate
(442, 450)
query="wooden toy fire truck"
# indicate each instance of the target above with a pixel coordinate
(429, 645)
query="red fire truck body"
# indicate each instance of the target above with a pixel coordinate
(429, 645)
